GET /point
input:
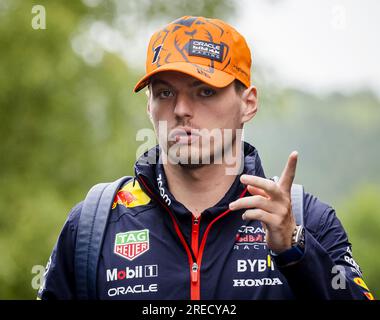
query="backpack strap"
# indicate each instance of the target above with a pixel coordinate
(91, 228)
(297, 195)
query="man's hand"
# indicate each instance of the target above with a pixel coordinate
(272, 205)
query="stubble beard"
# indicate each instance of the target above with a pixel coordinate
(199, 154)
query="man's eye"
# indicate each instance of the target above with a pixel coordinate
(165, 94)
(207, 92)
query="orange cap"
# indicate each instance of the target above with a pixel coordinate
(209, 50)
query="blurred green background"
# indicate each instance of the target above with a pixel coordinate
(68, 119)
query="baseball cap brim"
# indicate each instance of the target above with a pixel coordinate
(216, 78)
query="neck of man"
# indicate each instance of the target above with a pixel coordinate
(202, 186)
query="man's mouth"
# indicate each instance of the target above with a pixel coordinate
(184, 135)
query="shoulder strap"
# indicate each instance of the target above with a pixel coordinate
(92, 224)
(297, 203)
(297, 194)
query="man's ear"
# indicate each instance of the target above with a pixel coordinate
(249, 104)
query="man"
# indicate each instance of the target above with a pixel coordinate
(199, 220)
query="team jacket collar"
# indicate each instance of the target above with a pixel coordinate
(149, 169)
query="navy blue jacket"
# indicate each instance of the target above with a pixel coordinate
(155, 249)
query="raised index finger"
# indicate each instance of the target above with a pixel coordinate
(269, 186)
(287, 176)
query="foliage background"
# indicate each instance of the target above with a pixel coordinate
(68, 119)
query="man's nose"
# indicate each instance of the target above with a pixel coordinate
(183, 106)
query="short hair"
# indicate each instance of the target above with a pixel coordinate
(239, 86)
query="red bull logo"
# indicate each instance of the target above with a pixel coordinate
(131, 195)
(124, 198)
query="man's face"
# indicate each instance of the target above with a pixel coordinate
(197, 117)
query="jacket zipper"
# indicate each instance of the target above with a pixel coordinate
(194, 263)
(195, 234)
(195, 289)
(195, 279)
(194, 274)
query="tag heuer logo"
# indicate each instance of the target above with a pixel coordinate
(132, 244)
